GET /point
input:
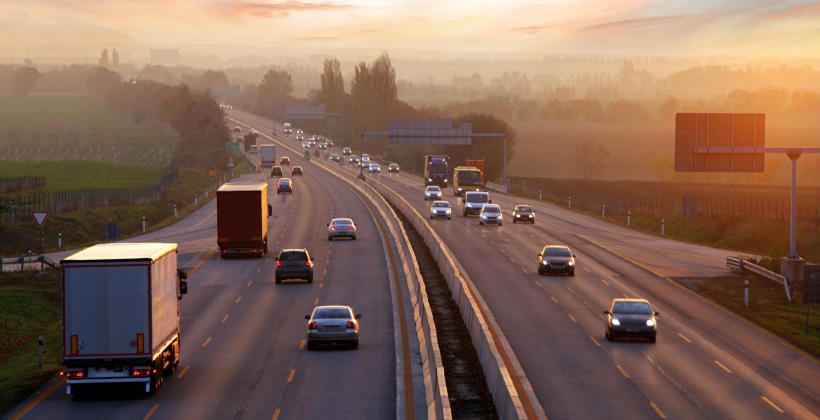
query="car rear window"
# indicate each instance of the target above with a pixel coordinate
(284, 182)
(293, 256)
(330, 313)
(640, 308)
(342, 222)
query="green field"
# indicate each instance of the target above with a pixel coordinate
(57, 127)
(75, 174)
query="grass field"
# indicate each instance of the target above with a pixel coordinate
(57, 127)
(74, 174)
(31, 307)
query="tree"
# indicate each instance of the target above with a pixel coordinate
(103, 61)
(115, 58)
(360, 94)
(157, 73)
(100, 81)
(333, 85)
(24, 80)
(491, 149)
(374, 93)
(590, 157)
(669, 108)
(211, 78)
(273, 92)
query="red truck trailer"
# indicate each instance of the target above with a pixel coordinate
(242, 212)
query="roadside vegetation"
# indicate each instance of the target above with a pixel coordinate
(76, 174)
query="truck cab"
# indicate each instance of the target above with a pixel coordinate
(473, 201)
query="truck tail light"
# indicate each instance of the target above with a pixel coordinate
(75, 374)
(279, 263)
(350, 325)
(140, 342)
(313, 325)
(140, 372)
(74, 344)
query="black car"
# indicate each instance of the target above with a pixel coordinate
(294, 264)
(556, 259)
(631, 318)
(276, 171)
(297, 170)
(334, 157)
(523, 213)
(393, 168)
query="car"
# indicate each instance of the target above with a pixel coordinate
(556, 259)
(631, 318)
(294, 264)
(305, 145)
(441, 209)
(523, 213)
(315, 138)
(254, 149)
(354, 159)
(237, 129)
(332, 325)
(296, 170)
(284, 185)
(299, 131)
(375, 168)
(393, 168)
(490, 213)
(284, 160)
(432, 192)
(341, 227)
(230, 107)
(322, 146)
(365, 163)
(300, 137)
(365, 156)
(330, 143)
(276, 171)
(473, 201)
(346, 151)
(334, 157)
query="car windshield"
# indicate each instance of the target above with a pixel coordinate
(557, 252)
(331, 313)
(441, 204)
(477, 198)
(342, 222)
(523, 208)
(638, 308)
(469, 178)
(435, 189)
(437, 168)
(293, 256)
(492, 209)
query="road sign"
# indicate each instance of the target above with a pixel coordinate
(811, 283)
(111, 231)
(719, 142)
(428, 131)
(39, 217)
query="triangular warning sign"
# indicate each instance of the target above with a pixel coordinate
(40, 217)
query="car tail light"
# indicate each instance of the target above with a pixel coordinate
(350, 228)
(73, 374)
(307, 263)
(350, 324)
(279, 263)
(140, 372)
(333, 228)
(313, 325)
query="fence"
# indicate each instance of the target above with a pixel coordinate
(16, 183)
(667, 199)
(17, 208)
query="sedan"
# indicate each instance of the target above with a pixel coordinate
(353, 158)
(490, 214)
(341, 227)
(523, 213)
(322, 146)
(432, 192)
(294, 264)
(631, 318)
(375, 169)
(297, 170)
(334, 157)
(300, 137)
(441, 209)
(284, 185)
(393, 168)
(284, 160)
(276, 171)
(556, 259)
(333, 324)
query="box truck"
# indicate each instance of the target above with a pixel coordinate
(242, 212)
(436, 169)
(267, 154)
(121, 315)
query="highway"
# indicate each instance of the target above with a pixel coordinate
(243, 349)
(707, 362)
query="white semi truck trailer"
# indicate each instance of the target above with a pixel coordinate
(121, 315)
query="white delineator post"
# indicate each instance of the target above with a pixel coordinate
(143, 224)
(662, 227)
(628, 218)
(59, 240)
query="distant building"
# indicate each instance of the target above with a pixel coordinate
(166, 57)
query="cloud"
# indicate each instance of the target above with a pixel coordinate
(280, 9)
(533, 29)
(628, 24)
(793, 12)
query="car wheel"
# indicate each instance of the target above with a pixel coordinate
(652, 339)
(311, 346)
(310, 279)
(329, 238)
(431, 217)
(278, 280)
(355, 345)
(572, 273)
(514, 221)
(354, 237)
(608, 336)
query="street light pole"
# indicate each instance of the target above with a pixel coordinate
(793, 155)
(361, 152)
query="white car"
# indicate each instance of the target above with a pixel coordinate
(375, 169)
(365, 163)
(441, 209)
(432, 192)
(490, 213)
(305, 145)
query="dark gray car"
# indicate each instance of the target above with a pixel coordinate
(556, 259)
(631, 318)
(332, 324)
(294, 264)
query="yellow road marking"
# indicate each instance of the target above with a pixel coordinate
(183, 372)
(207, 341)
(316, 302)
(572, 318)
(512, 260)
(225, 318)
(538, 283)
(525, 270)
(238, 299)
(595, 341)
(587, 269)
(302, 344)
(200, 222)
(554, 299)
(207, 256)
(327, 261)
(685, 339)
(250, 282)
(723, 367)
(623, 372)
(324, 272)
(626, 296)
(321, 285)
(657, 410)
(501, 250)
(604, 282)
(276, 414)
(768, 401)
(258, 270)
(37, 400)
(151, 412)
(290, 377)
(329, 251)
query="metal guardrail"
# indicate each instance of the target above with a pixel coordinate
(741, 265)
(30, 262)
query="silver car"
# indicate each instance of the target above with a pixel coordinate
(375, 168)
(441, 209)
(341, 227)
(432, 192)
(490, 214)
(332, 324)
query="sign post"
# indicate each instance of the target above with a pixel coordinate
(40, 217)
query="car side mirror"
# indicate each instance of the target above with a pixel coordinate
(540, 255)
(573, 255)
(358, 316)
(183, 289)
(490, 201)
(270, 210)
(182, 274)
(313, 258)
(656, 314)
(606, 312)
(463, 200)
(307, 316)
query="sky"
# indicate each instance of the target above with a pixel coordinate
(462, 28)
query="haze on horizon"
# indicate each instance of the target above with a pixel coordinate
(420, 28)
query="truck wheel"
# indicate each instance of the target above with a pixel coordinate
(355, 345)
(278, 280)
(311, 346)
(310, 279)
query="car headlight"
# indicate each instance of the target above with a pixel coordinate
(570, 263)
(650, 322)
(615, 321)
(544, 262)
(429, 179)
(447, 211)
(530, 216)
